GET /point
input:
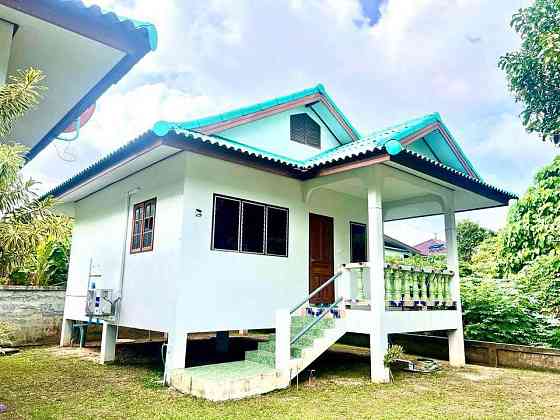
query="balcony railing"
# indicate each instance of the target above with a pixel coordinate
(406, 287)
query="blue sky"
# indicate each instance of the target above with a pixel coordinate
(382, 62)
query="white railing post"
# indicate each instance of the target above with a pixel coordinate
(343, 286)
(282, 351)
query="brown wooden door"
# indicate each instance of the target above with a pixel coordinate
(321, 257)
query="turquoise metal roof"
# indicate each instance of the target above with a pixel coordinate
(112, 17)
(378, 142)
(373, 143)
(261, 106)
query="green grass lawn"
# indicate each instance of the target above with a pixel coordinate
(45, 383)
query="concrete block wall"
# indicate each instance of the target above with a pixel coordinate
(32, 314)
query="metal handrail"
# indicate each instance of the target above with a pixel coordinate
(314, 292)
(311, 325)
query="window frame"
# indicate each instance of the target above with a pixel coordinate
(305, 130)
(240, 226)
(240, 234)
(266, 229)
(351, 242)
(143, 205)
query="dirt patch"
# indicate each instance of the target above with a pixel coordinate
(480, 373)
(84, 353)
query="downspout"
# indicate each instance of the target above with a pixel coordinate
(129, 195)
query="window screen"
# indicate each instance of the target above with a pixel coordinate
(277, 232)
(358, 242)
(252, 228)
(303, 129)
(226, 224)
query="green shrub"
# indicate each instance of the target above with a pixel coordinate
(49, 265)
(541, 279)
(496, 311)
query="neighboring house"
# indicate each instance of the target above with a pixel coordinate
(431, 247)
(358, 251)
(82, 51)
(226, 222)
(396, 248)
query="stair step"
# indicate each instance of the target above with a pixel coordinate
(270, 346)
(260, 356)
(305, 341)
(315, 332)
(302, 321)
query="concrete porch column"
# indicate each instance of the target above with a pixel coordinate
(455, 337)
(283, 336)
(6, 35)
(376, 252)
(108, 343)
(176, 352)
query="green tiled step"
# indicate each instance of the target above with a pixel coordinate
(316, 331)
(263, 357)
(270, 346)
(305, 341)
(302, 321)
(265, 354)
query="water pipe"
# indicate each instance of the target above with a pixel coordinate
(118, 300)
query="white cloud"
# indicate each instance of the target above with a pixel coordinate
(422, 56)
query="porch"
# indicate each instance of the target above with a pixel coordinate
(369, 297)
(379, 299)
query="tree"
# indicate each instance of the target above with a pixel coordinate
(485, 261)
(533, 72)
(533, 226)
(541, 279)
(470, 235)
(25, 219)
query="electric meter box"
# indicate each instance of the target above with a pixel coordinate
(99, 303)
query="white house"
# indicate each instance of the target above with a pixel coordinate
(231, 222)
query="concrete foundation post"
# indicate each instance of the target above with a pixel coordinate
(455, 337)
(66, 333)
(222, 341)
(378, 337)
(108, 343)
(176, 352)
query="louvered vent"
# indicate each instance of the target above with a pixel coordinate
(304, 130)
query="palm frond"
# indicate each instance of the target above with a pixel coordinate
(22, 93)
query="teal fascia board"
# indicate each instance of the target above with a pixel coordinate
(150, 30)
(463, 155)
(407, 128)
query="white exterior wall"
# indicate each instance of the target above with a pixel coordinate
(151, 278)
(231, 290)
(183, 285)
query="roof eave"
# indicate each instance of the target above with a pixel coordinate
(134, 39)
(185, 142)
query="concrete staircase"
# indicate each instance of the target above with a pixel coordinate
(257, 374)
